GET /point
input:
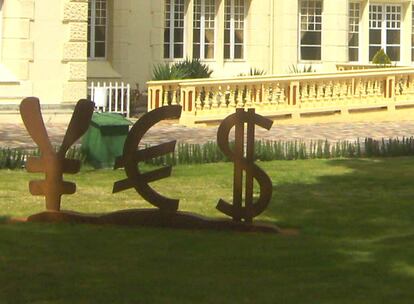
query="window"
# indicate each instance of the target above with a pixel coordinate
(234, 17)
(174, 29)
(97, 28)
(385, 30)
(412, 35)
(353, 39)
(203, 29)
(310, 17)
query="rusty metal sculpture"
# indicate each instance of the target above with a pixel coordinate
(131, 157)
(244, 163)
(53, 164)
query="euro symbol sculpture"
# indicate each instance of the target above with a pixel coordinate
(244, 163)
(131, 157)
(53, 164)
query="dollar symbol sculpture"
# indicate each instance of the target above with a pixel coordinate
(52, 163)
(131, 157)
(242, 163)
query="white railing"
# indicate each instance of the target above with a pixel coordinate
(111, 97)
(288, 96)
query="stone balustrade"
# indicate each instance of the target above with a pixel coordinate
(287, 96)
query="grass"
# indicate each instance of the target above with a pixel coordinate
(356, 242)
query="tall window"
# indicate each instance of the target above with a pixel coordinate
(353, 40)
(234, 20)
(97, 28)
(412, 35)
(203, 29)
(310, 29)
(174, 29)
(385, 30)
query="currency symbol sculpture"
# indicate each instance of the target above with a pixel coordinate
(244, 163)
(53, 164)
(131, 157)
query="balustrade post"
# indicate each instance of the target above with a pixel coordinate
(155, 96)
(294, 98)
(390, 92)
(188, 102)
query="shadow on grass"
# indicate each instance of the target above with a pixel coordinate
(362, 210)
(4, 219)
(356, 246)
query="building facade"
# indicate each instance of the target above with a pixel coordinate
(43, 50)
(51, 48)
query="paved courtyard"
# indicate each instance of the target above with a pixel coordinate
(15, 135)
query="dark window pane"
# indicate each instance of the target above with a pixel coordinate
(178, 35)
(412, 54)
(353, 54)
(311, 38)
(227, 52)
(374, 36)
(100, 49)
(100, 33)
(196, 51)
(238, 52)
(166, 51)
(166, 36)
(393, 36)
(178, 51)
(353, 39)
(372, 51)
(393, 52)
(310, 53)
(196, 36)
(226, 36)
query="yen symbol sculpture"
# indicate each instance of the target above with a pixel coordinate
(53, 164)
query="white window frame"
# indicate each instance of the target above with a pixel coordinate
(354, 26)
(233, 30)
(412, 33)
(172, 27)
(314, 23)
(384, 27)
(91, 29)
(203, 28)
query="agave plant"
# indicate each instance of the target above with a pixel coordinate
(186, 69)
(294, 69)
(193, 68)
(254, 72)
(164, 71)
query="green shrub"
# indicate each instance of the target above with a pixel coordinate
(15, 158)
(164, 71)
(193, 69)
(186, 69)
(295, 69)
(254, 72)
(381, 58)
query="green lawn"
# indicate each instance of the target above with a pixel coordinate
(356, 242)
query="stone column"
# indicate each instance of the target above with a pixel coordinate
(75, 20)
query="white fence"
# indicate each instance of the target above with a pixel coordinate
(111, 97)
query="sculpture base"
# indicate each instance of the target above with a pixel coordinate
(155, 218)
